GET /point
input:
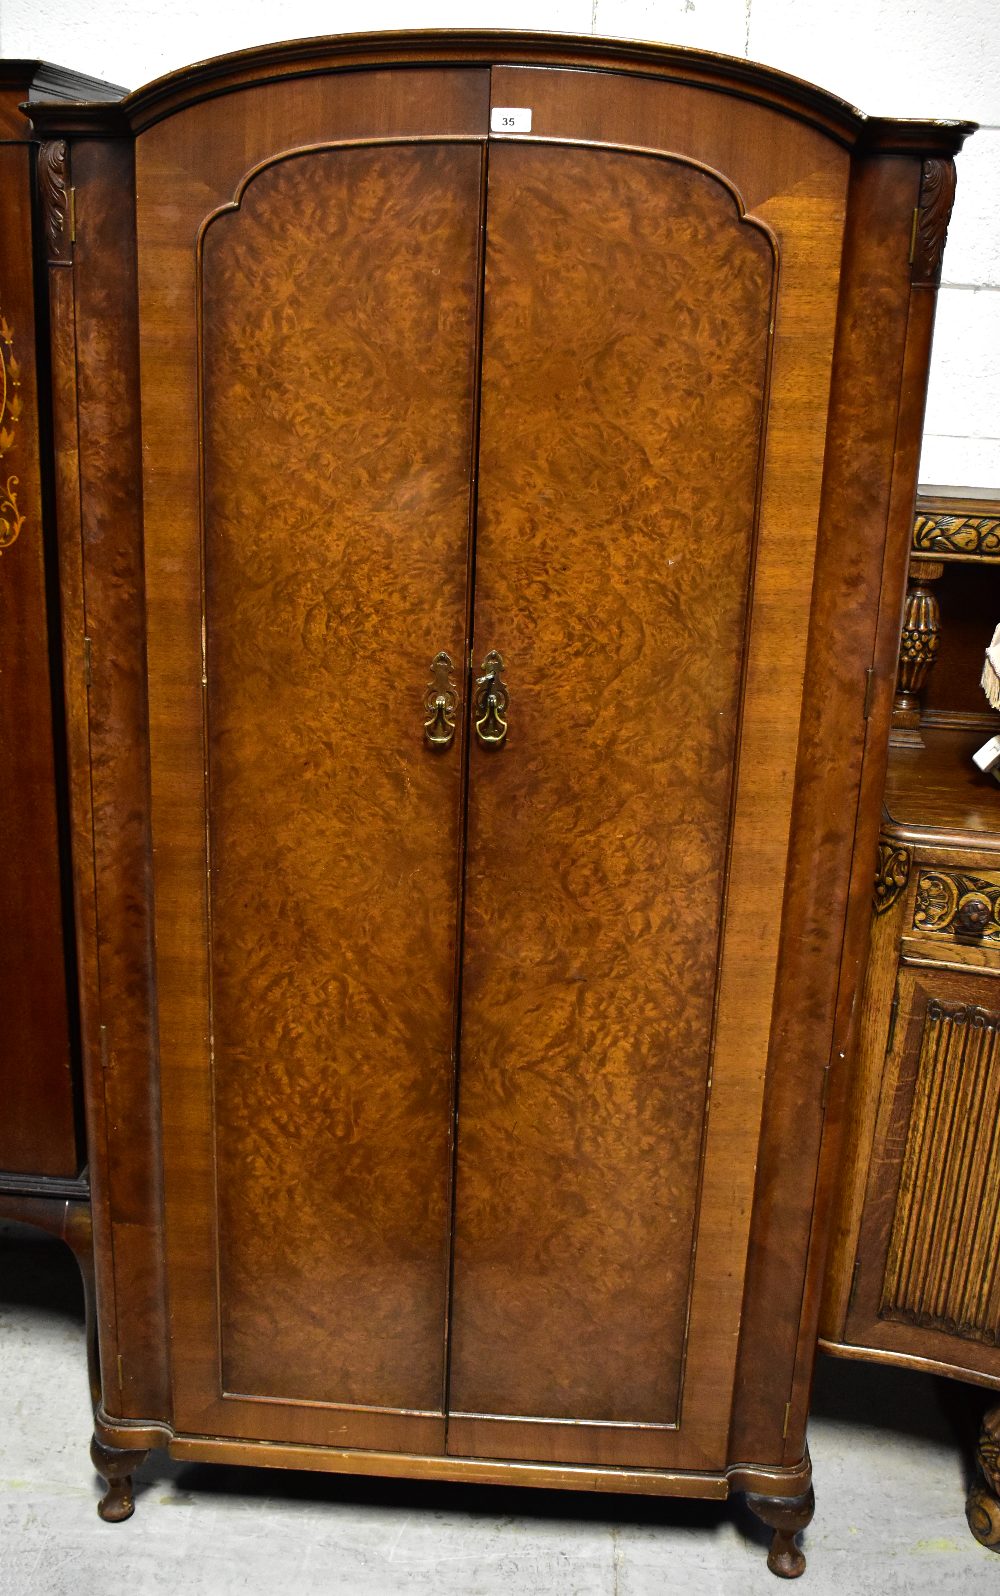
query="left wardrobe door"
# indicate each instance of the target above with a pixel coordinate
(307, 836)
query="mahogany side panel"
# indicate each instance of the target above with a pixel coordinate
(122, 1079)
(879, 386)
(38, 1130)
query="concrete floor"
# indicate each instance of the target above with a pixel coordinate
(890, 1454)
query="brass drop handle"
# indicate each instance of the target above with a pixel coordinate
(489, 706)
(441, 702)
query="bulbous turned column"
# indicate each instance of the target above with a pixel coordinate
(918, 646)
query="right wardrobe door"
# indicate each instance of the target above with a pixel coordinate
(626, 842)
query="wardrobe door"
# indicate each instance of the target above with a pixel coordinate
(624, 870)
(306, 1004)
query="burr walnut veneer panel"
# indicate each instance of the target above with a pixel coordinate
(626, 343)
(345, 286)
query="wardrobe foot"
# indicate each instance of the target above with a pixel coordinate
(983, 1513)
(982, 1508)
(115, 1466)
(787, 1516)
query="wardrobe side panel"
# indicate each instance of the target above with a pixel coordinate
(37, 1127)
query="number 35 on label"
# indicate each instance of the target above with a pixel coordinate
(510, 119)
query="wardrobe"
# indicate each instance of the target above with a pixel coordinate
(485, 467)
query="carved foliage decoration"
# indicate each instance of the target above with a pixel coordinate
(951, 902)
(943, 1266)
(891, 875)
(53, 184)
(937, 195)
(920, 638)
(11, 519)
(974, 536)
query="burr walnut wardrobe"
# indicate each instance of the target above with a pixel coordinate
(485, 471)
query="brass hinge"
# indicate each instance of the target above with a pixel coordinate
(88, 674)
(855, 1274)
(788, 1416)
(913, 233)
(893, 1017)
(121, 1374)
(72, 215)
(869, 690)
(824, 1089)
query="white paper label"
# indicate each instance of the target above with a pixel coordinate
(510, 119)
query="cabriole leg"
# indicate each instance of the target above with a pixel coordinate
(115, 1466)
(787, 1516)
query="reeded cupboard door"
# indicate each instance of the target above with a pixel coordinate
(463, 1052)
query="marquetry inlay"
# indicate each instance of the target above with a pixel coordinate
(11, 519)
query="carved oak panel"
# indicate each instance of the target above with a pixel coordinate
(943, 1270)
(958, 903)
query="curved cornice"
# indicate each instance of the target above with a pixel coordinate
(43, 80)
(304, 57)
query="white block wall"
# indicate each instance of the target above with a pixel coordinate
(924, 58)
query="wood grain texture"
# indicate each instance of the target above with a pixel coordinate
(625, 360)
(942, 1268)
(821, 533)
(967, 597)
(878, 389)
(927, 1286)
(936, 792)
(38, 1122)
(339, 340)
(941, 811)
(123, 1099)
(187, 168)
(727, 80)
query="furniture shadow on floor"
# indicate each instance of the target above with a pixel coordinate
(900, 1402)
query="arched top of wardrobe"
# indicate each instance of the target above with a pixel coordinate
(727, 75)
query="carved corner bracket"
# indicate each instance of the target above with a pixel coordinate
(930, 224)
(891, 874)
(56, 198)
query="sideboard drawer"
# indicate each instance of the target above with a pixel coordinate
(957, 906)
